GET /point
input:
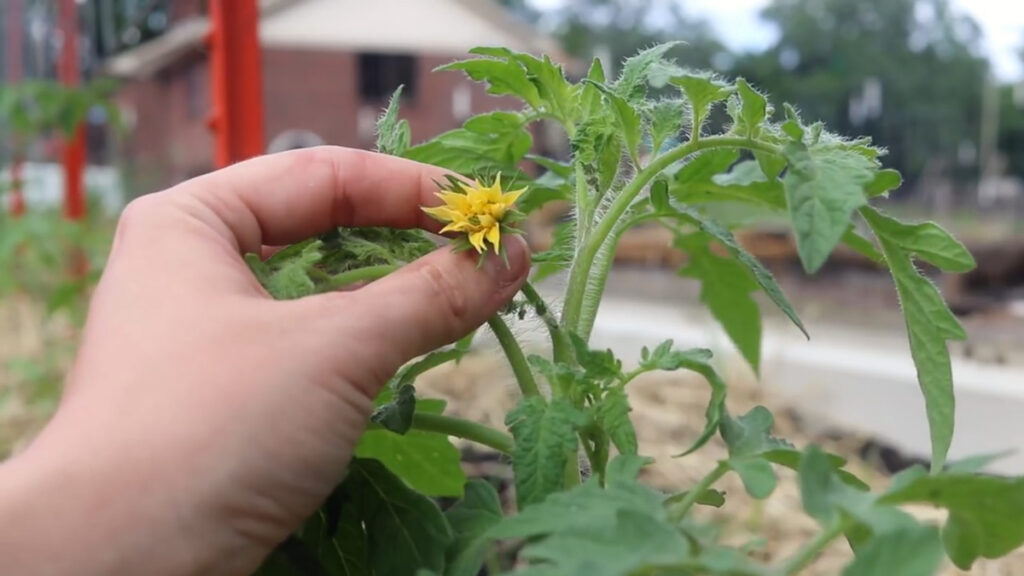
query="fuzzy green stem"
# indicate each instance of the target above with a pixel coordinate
(465, 429)
(581, 278)
(805, 555)
(516, 358)
(560, 346)
(369, 273)
(678, 511)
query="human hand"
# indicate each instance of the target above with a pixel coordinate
(203, 421)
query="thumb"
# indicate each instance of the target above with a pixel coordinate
(429, 303)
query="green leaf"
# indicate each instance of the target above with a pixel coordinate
(559, 256)
(750, 434)
(471, 518)
(634, 542)
(751, 112)
(557, 96)
(396, 414)
(545, 436)
(703, 91)
(289, 279)
(407, 374)
(586, 504)
(625, 468)
(930, 324)
(757, 476)
(771, 165)
(636, 71)
(706, 165)
(709, 497)
(924, 240)
(612, 414)
(665, 118)
(664, 357)
(405, 530)
(823, 188)
(591, 102)
(427, 461)
(884, 181)
(726, 288)
(763, 277)
(502, 77)
(862, 245)
(984, 512)
(628, 121)
(393, 135)
(909, 551)
(496, 141)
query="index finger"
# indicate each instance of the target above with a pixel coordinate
(286, 197)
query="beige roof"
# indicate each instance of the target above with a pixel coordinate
(423, 26)
(442, 27)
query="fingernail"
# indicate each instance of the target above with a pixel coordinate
(517, 255)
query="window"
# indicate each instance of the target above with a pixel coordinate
(381, 74)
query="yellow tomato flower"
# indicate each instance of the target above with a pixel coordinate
(476, 210)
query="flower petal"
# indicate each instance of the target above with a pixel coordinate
(494, 236)
(477, 240)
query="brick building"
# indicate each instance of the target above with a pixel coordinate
(328, 68)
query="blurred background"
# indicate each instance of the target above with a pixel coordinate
(105, 100)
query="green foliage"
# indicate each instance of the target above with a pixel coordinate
(546, 442)
(471, 520)
(929, 321)
(426, 461)
(646, 147)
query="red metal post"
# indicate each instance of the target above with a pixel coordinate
(236, 81)
(15, 73)
(74, 148)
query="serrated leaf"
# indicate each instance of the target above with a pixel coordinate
(287, 279)
(627, 118)
(930, 324)
(496, 141)
(598, 365)
(393, 135)
(586, 504)
(471, 518)
(664, 357)
(763, 277)
(634, 542)
(590, 97)
(911, 551)
(823, 188)
(502, 77)
(612, 414)
(726, 288)
(984, 512)
(925, 240)
(556, 94)
(405, 530)
(427, 461)
(703, 91)
(631, 84)
(545, 437)
(665, 118)
(750, 434)
(751, 112)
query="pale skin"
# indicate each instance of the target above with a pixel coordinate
(202, 420)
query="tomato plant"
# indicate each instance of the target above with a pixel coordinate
(643, 151)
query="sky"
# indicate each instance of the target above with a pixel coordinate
(738, 25)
